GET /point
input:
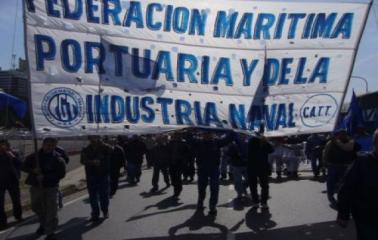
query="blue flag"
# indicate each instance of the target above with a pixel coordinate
(353, 117)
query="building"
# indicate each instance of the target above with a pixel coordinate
(15, 82)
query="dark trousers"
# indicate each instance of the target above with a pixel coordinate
(98, 189)
(261, 177)
(204, 177)
(149, 159)
(134, 171)
(334, 178)
(45, 206)
(175, 173)
(316, 165)
(366, 230)
(240, 184)
(114, 182)
(14, 193)
(156, 174)
(189, 170)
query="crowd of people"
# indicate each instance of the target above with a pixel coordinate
(245, 160)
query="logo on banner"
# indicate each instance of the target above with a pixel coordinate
(319, 110)
(63, 107)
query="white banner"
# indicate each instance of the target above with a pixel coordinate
(118, 67)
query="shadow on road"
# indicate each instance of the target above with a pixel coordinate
(166, 203)
(152, 194)
(318, 231)
(126, 185)
(198, 221)
(76, 228)
(30, 236)
(238, 204)
(182, 208)
(259, 221)
(73, 230)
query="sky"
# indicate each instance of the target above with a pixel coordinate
(366, 65)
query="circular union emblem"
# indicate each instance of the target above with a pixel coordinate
(63, 107)
(319, 110)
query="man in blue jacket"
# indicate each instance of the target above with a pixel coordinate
(45, 169)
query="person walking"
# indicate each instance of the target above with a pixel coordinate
(358, 195)
(238, 157)
(45, 169)
(178, 152)
(135, 150)
(314, 147)
(338, 154)
(149, 141)
(258, 168)
(160, 155)
(123, 142)
(96, 159)
(10, 166)
(225, 168)
(117, 161)
(293, 155)
(277, 157)
(189, 165)
(208, 163)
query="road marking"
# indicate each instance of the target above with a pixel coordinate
(76, 200)
(4, 231)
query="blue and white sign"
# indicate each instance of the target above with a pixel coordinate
(118, 67)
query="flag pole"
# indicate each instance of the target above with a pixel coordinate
(31, 114)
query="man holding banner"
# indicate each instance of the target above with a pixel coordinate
(45, 169)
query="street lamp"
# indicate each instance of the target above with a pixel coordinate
(363, 79)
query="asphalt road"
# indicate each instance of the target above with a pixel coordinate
(298, 211)
(74, 162)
